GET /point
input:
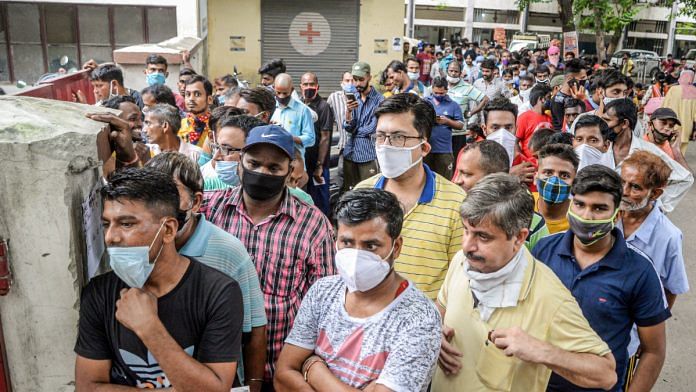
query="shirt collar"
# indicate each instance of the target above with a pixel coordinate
(645, 230)
(613, 259)
(428, 193)
(196, 245)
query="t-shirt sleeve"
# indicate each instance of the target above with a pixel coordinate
(411, 361)
(326, 119)
(222, 337)
(648, 306)
(305, 328)
(570, 331)
(92, 341)
(675, 280)
(521, 127)
(457, 115)
(252, 296)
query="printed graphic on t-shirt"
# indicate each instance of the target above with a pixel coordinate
(147, 372)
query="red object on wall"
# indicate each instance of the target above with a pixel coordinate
(5, 384)
(63, 88)
(5, 273)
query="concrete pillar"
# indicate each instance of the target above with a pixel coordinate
(469, 19)
(49, 163)
(410, 15)
(524, 16)
(671, 30)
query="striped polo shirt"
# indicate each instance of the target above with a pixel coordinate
(432, 231)
(359, 146)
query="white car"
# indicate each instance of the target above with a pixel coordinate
(652, 61)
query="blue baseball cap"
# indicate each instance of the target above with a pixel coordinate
(274, 135)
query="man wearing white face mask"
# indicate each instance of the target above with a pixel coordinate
(159, 319)
(368, 327)
(522, 99)
(591, 141)
(432, 227)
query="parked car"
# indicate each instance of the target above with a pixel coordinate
(652, 61)
(691, 58)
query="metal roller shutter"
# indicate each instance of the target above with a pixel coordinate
(312, 35)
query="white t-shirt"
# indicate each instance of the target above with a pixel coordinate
(398, 346)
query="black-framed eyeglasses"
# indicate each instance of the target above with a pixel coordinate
(394, 140)
(224, 150)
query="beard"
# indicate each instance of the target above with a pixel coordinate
(628, 205)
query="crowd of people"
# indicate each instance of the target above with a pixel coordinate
(502, 224)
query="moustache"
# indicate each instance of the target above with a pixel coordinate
(473, 256)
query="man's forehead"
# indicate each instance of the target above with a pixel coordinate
(198, 86)
(125, 207)
(588, 131)
(595, 198)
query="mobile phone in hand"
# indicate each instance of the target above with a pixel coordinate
(351, 97)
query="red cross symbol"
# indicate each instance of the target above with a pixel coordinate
(309, 33)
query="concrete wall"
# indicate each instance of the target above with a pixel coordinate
(234, 18)
(379, 19)
(48, 154)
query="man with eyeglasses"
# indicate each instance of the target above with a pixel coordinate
(432, 228)
(161, 125)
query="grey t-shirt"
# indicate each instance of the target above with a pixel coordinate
(398, 346)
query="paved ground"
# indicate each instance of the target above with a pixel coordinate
(679, 372)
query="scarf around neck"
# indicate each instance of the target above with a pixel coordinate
(499, 289)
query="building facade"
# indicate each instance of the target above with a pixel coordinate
(476, 20)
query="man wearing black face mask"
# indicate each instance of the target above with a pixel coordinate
(316, 157)
(290, 242)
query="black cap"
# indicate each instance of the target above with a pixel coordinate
(665, 114)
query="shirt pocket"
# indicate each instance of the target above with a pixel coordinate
(282, 272)
(494, 369)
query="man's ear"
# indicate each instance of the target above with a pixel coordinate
(656, 193)
(210, 100)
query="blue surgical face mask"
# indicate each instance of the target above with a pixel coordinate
(204, 158)
(155, 78)
(221, 100)
(227, 172)
(132, 264)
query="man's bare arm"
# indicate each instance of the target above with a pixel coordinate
(653, 345)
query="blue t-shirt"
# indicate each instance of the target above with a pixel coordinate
(441, 135)
(620, 289)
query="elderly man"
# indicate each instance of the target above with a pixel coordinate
(161, 125)
(291, 114)
(509, 313)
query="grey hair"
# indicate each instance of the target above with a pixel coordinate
(168, 114)
(231, 92)
(501, 198)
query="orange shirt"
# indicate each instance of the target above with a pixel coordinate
(664, 146)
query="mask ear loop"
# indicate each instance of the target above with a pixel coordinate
(153, 242)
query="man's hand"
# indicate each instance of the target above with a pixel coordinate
(121, 137)
(186, 57)
(524, 171)
(441, 120)
(297, 140)
(676, 144)
(578, 92)
(318, 174)
(90, 65)
(79, 97)
(137, 310)
(449, 360)
(516, 343)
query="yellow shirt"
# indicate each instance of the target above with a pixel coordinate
(555, 226)
(432, 232)
(545, 309)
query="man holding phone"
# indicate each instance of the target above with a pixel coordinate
(359, 155)
(448, 117)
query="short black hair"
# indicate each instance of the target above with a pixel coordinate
(540, 90)
(598, 178)
(107, 73)
(244, 122)
(488, 64)
(161, 94)
(396, 66)
(440, 82)
(570, 53)
(207, 86)
(274, 67)
(574, 66)
(494, 158)
(261, 97)
(187, 72)
(152, 187)
(528, 78)
(362, 205)
(499, 104)
(624, 109)
(156, 59)
(612, 77)
(219, 113)
(540, 138)
(592, 120)
(560, 151)
(411, 58)
(116, 101)
(422, 111)
(573, 103)
(229, 80)
(561, 138)
(541, 68)
(181, 167)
